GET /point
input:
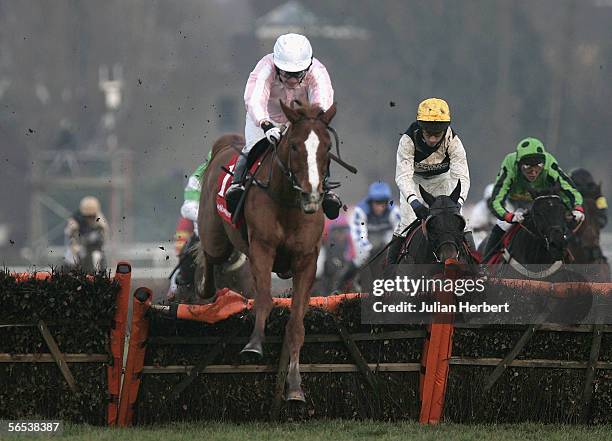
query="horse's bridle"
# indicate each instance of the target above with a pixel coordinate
(286, 168)
(538, 232)
(446, 209)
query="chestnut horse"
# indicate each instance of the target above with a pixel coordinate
(284, 221)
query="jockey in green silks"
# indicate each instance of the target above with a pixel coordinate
(530, 166)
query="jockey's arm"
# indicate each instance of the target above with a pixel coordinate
(503, 184)
(459, 169)
(257, 91)
(71, 233)
(567, 186)
(189, 210)
(191, 204)
(404, 169)
(193, 189)
(320, 90)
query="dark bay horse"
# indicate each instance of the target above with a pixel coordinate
(542, 236)
(441, 236)
(284, 221)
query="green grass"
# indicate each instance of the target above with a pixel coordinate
(336, 430)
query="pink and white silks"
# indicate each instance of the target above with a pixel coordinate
(264, 89)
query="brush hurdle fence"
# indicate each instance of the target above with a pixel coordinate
(85, 357)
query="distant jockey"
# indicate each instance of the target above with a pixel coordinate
(85, 233)
(336, 253)
(372, 223)
(183, 277)
(589, 189)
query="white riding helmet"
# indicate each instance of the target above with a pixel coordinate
(292, 53)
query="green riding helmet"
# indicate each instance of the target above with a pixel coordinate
(530, 151)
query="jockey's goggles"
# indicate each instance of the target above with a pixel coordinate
(527, 168)
(428, 133)
(297, 75)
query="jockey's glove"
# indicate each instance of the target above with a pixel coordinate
(514, 218)
(578, 214)
(273, 134)
(421, 211)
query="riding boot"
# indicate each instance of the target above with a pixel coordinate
(234, 192)
(494, 242)
(331, 205)
(393, 252)
(331, 202)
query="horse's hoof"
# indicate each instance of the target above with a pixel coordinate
(296, 395)
(252, 349)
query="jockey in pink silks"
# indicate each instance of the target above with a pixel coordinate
(290, 73)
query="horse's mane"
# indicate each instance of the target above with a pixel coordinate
(232, 140)
(443, 201)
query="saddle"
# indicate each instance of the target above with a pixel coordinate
(498, 257)
(254, 160)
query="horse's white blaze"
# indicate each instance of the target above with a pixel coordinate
(312, 144)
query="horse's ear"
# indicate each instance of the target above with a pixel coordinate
(290, 113)
(556, 188)
(428, 198)
(329, 114)
(456, 192)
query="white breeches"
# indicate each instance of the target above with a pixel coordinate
(437, 186)
(252, 134)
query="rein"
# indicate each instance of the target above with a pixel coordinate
(287, 171)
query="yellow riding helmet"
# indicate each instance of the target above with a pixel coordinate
(433, 115)
(89, 206)
(434, 109)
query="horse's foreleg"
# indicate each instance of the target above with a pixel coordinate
(261, 260)
(304, 270)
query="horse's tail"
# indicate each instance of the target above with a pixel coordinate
(231, 140)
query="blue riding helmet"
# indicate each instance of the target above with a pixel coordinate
(379, 191)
